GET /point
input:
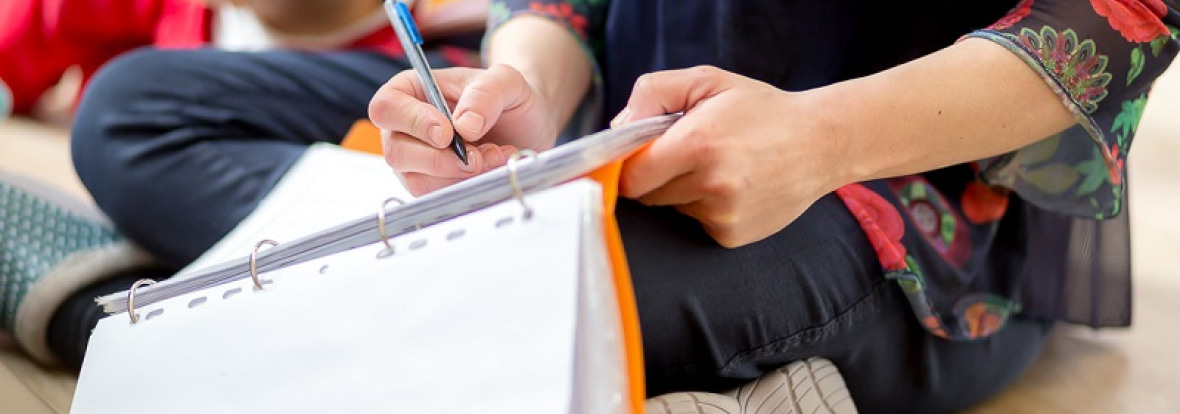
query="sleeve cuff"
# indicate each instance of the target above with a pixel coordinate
(1073, 172)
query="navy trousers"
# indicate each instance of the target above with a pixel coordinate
(178, 146)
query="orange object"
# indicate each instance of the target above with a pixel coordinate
(608, 177)
(365, 137)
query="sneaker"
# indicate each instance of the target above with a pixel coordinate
(802, 387)
(51, 246)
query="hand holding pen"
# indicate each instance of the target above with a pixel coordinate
(496, 112)
(411, 40)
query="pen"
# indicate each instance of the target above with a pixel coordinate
(411, 40)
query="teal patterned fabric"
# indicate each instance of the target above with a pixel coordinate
(5, 101)
(35, 236)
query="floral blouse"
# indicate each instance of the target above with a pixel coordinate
(944, 236)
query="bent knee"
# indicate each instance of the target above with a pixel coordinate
(118, 111)
(135, 97)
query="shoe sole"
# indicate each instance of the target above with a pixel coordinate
(812, 386)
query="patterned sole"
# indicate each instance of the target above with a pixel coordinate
(812, 386)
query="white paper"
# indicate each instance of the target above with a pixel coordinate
(328, 185)
(482, 322)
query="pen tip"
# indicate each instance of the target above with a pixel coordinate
(461, 151)
(459, 148)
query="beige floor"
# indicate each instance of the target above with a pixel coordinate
(1129, 371)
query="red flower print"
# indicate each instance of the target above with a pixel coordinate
(1075, 62)
(564, 12)
(980, 321)
(934, 326)
(936, 220)
(1136, 20)
(880, 221)
(1019, 12)
(1115, 168)
(982, 203)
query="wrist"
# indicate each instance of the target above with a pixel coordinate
(833, 129)
(537, 82)
(549, 58)
(544, 99)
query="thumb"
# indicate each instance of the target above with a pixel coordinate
(671, 91)
(499, 89)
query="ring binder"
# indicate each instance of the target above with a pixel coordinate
(131, 297)
(552, 167)
(254, 261)
(515, 183)
(381, 225)
(573, 349)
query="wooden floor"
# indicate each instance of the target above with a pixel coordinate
(1129, 371)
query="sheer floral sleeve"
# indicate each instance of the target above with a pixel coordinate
(582, 18)
(1100, 57)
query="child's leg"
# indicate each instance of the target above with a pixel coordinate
(50, 247)
(73, 321)
(177, 147)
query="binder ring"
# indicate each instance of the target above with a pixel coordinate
(381, 222)
(515, 182)
(131, 297)
(254, 260)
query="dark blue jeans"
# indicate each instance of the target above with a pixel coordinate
(177, 147)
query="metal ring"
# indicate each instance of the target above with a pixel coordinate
(131, 297)
(254, 260)
(381, 222)
(515, 182)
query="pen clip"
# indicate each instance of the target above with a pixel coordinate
(403, 13)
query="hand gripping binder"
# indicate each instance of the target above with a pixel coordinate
(507, 292)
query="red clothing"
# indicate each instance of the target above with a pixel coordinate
(40, 39)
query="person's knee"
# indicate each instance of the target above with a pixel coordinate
(108, 101)
(118, 107)
(716, 316)
(138, 73)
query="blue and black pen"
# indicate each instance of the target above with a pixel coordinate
(407, 33)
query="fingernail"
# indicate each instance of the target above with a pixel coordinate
(471, 154)
(435, 135)
(621, 117)
(470, 121)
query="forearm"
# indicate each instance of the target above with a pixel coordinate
(969, 101)
(550, 59)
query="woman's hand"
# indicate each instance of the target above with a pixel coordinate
(745, 160)
(496, 113)
(498, 110)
